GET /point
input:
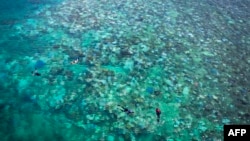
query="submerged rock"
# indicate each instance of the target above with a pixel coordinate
(56, 71)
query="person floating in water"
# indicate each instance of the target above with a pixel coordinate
(126, 110)
(158, 113)
(75, 61)
(36, 73)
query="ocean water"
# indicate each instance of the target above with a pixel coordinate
(70, 68)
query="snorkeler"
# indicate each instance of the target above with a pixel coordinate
(126, 110)
(75, 61)
(158, 113)
(36, 73)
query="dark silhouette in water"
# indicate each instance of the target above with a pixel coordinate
(158, 113)
(126, 110)
(36, 73)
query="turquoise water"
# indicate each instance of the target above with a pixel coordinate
(67, 65)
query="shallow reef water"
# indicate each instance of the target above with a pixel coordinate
(96, 70)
